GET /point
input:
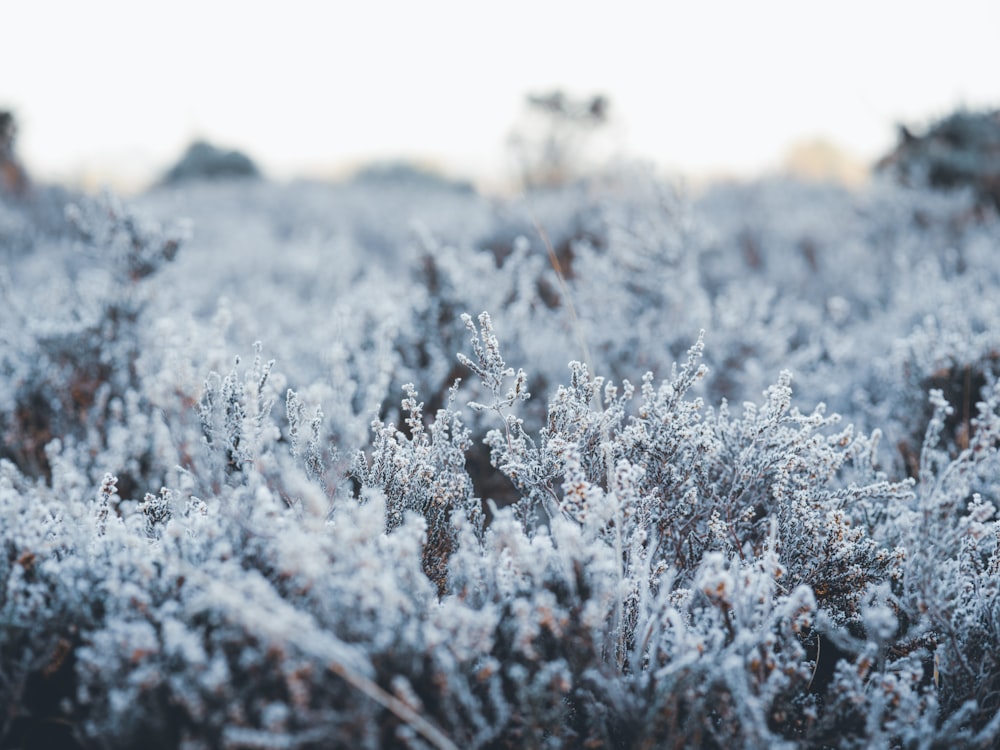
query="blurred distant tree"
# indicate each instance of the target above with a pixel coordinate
(960, 150)
(550, 142)
(13, 178)
(203, 161)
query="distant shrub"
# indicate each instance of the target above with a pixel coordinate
(203, 161)
(404, 175)
(959, 150)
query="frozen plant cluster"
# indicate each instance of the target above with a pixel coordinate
(270, 479)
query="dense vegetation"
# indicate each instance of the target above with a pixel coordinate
(270, 478)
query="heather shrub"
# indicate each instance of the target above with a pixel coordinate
(279, 490)
(71, 372)
(654, 547)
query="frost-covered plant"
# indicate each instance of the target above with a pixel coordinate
(422, 470)
(235, 411)
(336, 552)
(669, 575)
(699, 482)
(670, 494)
(950, 587)
(78, 381)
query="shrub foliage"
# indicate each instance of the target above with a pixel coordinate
(389, 536)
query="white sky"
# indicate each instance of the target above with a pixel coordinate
(114, 89)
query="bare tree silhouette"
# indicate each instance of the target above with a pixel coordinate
(549, 144)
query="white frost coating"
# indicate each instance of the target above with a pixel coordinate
(335, 548)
